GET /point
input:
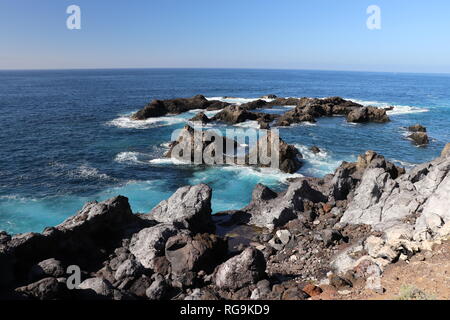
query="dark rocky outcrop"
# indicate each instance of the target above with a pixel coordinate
(200, 117)
(419, 138)
(308, 109)
(223, 151)
(235, 114)
(417, 128)
(367, 114)
(158, 108)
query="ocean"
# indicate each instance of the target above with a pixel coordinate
(66, 138)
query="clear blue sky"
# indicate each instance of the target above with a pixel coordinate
(296, 34)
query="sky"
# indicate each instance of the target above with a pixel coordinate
(266, 34)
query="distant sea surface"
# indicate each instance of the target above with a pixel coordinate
(66, 138)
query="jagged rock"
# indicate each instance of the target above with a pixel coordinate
(129, 268)
(81, 240)
(275, 212)
(380, 200)
(158, 108)
(201, 252)
(189, 207)
(158, 288)
(287, 159)
(417, 128)
(47, 268)
(240, 271)
(419, 138)
(45, 289)
(202, 147)
(150, 243)
(200, 117)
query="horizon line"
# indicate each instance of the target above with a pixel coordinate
(220, 68)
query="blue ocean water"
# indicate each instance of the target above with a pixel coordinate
(65, 137)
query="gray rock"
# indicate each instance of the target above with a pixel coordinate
(44, 289)
(272, 212)
(150, 243)
(189, 207)
(129, 268)
(158, 288)
(199, 253)
(383, 202)
(240, 271)
(47, 268)
(100, 286)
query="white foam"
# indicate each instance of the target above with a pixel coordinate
(128, 157)
(262, 173)
(168, 161)
(125, 121)
(237, 100)
(398, 109)
(322, 162)
(248, 124)
(88, 172)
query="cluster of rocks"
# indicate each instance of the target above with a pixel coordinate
(337, 231)
(418, 134)
(158, 108)
(222, 150)
(306, 110)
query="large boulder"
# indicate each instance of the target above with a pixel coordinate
(47, 268)
(189, 207)
(150, 243)
(286, 157)
(367, 114)
(193, 254)
(240, 271)
(270, 210)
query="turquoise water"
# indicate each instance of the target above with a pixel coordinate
(66, 138)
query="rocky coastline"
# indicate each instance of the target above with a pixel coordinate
(340, 231)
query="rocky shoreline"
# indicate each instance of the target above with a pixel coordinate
(338, 231)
